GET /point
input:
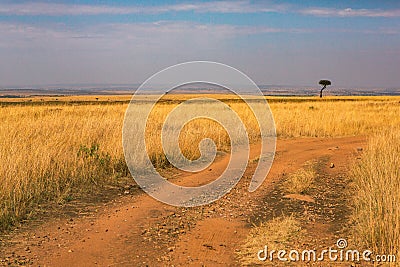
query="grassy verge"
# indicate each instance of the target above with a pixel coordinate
(377, 194)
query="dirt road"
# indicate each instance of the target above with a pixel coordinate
(136, 230)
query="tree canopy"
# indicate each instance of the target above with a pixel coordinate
(325, 82)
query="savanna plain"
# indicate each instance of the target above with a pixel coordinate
(59, 152)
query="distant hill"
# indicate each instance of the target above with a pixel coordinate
(271, 90)
(309, 90)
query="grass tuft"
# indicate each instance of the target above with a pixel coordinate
(299, 181)
(276, 234)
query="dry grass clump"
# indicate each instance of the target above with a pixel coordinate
(299, 181)
(277, 234)
(377, 194)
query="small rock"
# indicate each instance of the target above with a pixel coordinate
(209, 246)
(332, 165)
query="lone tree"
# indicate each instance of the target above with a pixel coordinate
(324, 83)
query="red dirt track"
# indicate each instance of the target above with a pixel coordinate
(137, 230)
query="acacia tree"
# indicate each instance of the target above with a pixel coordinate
(324, 83)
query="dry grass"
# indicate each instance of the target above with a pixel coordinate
(377, 194)
(335, 118)
(196, 130)
(276, 234)
(46, 152)
(51, 150)
(299, 181)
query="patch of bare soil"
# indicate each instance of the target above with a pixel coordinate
(136, 230)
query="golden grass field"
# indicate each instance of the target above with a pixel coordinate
(377, 187)
(54, 148)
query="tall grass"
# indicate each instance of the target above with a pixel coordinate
(196, 130)
(377, 188)
(51, 150)
(335, 118)
(46, 152)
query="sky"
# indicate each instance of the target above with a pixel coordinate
(353, 43)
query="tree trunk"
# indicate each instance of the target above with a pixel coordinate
(320, 93)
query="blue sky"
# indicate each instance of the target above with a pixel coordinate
(353, 43)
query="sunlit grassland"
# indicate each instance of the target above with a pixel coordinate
(377, 194)
(52, 149)
(47, 152)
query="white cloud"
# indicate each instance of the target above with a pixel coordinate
(178, 33)
(54, 9)
(349, 12)
(245, 6)
(129, 53)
